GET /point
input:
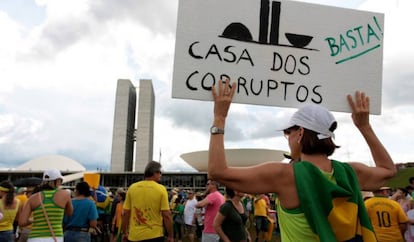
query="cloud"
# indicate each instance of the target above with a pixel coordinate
(55, 127)
(60, 61)
(398, 50)
(156, 15)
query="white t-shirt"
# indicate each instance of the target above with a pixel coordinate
(189, 211)
(410, 215)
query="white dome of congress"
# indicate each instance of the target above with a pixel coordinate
(59, 162)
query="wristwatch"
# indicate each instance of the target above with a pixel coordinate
(215, 130)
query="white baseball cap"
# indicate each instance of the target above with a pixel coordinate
(52, 174)
(313, 117)
(367, 194)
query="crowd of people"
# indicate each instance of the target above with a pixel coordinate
(218, 213)
(311, 198)
(215, 214)
(48, 212)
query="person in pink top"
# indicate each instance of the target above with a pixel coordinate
(211, 204)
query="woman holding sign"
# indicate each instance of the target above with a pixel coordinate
(328, 188)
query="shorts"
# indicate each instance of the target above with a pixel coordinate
(207, 237)
(77, 236)
(24, 235)
(262, 223)
(190, 229)
(7, 236)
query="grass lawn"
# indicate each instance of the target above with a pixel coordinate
(401, 179)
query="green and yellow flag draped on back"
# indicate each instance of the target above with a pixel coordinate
(334, 209)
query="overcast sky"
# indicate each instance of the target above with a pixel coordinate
(60, 62)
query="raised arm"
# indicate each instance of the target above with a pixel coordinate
(370, 178)
(222, 100)
(254, 179)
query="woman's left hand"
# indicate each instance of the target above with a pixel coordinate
(222, 97)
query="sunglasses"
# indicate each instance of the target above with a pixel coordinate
(288, 131)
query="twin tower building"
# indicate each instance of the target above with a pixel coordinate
(133, 132)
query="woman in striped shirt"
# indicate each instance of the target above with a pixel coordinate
(56, 201)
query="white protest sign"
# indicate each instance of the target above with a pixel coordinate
(279, 53)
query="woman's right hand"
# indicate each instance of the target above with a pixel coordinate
(360, 109)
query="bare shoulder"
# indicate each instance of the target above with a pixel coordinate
(278, 168)
(266, 177)
(284, 173)
(271, 176)
(266, 170)
(61, 198)
(34, 200)
(63, 194)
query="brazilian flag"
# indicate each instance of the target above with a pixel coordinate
(334, 208)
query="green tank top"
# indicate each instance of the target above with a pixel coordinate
(293, 224)
(40, 228)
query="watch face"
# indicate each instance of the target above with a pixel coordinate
(215, 130)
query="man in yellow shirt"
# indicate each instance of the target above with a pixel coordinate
(260, 216)
(146, 208)
(387, 217)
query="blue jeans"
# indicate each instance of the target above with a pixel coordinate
(77, 236)
(6, 236)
